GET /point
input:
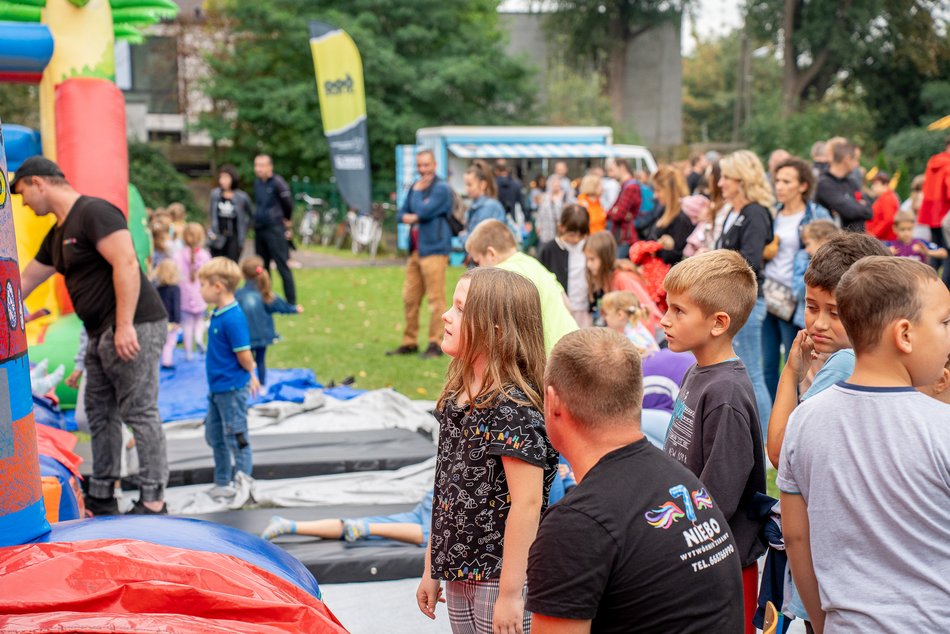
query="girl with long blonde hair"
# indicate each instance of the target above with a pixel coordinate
(495, 465)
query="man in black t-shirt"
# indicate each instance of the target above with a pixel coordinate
(639, 545)
(90, 245)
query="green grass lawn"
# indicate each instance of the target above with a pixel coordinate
(352, 316)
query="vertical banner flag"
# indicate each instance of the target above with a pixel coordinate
(339, 73)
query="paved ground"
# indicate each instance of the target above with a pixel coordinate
(305, 259)
(389, 606)
(313, 260)
(383, 606)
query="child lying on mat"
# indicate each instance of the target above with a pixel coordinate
(411, 527)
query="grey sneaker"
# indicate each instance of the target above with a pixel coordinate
(218, 491)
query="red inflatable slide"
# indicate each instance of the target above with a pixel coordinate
(132, 586)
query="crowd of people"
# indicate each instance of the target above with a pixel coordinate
(675, 333)
(770, 305)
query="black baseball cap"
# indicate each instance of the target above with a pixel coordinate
(36, 166)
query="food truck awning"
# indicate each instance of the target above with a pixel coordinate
(543, 150)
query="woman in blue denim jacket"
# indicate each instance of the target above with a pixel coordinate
(259, 303)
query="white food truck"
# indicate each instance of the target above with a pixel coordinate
(530, 150)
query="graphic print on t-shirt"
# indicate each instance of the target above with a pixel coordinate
(702, 534)
(681, 428)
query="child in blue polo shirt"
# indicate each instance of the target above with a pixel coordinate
(230, 368)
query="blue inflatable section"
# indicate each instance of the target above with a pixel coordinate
(23, 526)
(20, 143)
(45, 413)
(191, 534)
(24, 47)
(68, 504)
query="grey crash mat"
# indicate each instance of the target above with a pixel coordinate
(336, 561)
(279, 456)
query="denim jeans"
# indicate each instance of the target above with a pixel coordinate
(226, 434)
(126, 392)
(748, 345)
(776, 332)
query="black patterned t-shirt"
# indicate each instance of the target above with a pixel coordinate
(471, 502)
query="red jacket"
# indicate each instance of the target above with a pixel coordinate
(881, 224)
(936, 194)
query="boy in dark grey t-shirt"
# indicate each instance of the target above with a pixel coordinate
(715, 429)
(864, 465)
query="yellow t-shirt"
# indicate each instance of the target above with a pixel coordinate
(556, 319)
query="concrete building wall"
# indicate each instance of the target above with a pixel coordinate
(526, 39)
(653, 101)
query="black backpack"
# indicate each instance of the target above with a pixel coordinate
(456, 217)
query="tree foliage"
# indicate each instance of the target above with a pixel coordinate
(425, 63)
(710, 76)
(20, 103)
(156, 178)
(574, 98)
(913, 147)
(835, 115)
(825, 39)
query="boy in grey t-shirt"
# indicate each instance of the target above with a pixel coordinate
(864, 467)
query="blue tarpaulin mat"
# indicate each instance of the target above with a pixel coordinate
(46, 413)
(183, 392)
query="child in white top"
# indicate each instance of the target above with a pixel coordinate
(622, 312)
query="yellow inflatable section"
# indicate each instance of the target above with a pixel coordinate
(84, 48)
(30, 231)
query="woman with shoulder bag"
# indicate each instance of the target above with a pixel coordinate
(230, 213)
(747, 229)
(794, 182)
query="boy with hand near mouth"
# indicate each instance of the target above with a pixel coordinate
(823, 346)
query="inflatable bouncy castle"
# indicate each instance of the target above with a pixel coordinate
(66, 46)
(110, 574)
(121, 574)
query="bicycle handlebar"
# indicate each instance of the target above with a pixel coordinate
(313, 202)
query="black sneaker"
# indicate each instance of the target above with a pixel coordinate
(140, 509)
(434, 351)
(102, 506)
(403, 349)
